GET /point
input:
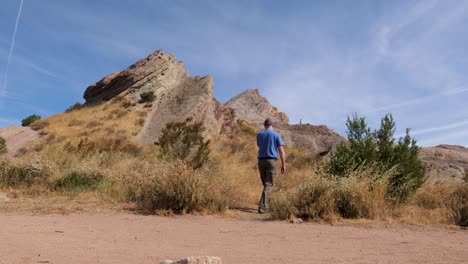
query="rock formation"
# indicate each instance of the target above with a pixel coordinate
(178, 96)
(254, 108)
(445, 162)
(17, 137)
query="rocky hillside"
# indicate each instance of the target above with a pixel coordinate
(445, 162)
(254, 108)
(180, 96)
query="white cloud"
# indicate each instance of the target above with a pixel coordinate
(445, 127)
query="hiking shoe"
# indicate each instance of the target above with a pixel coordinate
(263, 211)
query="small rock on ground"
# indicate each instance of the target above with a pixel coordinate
(3, 197)
(195, 260)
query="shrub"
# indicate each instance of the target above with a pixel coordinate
(79, 181)
(3, 146)
(180, 190)
(183, 141)
(39, 124)
(76, 106)
(327, 197)
(29, 120)
(459, 205)
(23, 175)
(432, 196)
(147, 97)
(366, 148)
(281, 206)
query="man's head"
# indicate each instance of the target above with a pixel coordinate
(267, 123)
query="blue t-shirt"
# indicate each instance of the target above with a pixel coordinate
(268, 142)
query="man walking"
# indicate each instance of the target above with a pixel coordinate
(269, 144)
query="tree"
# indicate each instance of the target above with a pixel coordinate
(29, 120)
(184, 141)
(410, 175)
(379, 149)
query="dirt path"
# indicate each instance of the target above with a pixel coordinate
(127, 238)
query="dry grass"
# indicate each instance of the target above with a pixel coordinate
(87, 156)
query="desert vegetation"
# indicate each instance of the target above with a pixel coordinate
(29, 120)
(3, 146)
(91, 150)
(147, 97)
(372, 177)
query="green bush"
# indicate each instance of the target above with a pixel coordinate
(147, 97)
(29, 120)
(184, 141)
(76, 106)
(3, 146)
(79, 181)
(366, 148)
(23, 175)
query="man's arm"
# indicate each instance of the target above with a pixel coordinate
(283, 162)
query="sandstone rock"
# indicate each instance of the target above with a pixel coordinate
(254, 108)
(192, 98)
(17, 137)
(178, 96)
(158, 72)
(445, 162)
(195, 260)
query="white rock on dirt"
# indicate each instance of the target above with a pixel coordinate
(195, 260)
(3, 197)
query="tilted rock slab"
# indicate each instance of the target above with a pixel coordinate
(17, 137)
(195, 260)
(178, 96)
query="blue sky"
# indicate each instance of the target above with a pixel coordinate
(318, 61)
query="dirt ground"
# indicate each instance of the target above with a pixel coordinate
(128, 238)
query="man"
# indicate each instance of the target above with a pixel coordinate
(269, 144)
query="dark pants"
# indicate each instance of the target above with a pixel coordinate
(267, 168)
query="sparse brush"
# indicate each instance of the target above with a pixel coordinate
(39, 124)
(24, 174)
(3, 146)
(76, 106)
(281, 206)
(147, 97)
(78, 181)
(327, 197)
(179, 189)
(432, 195)
(458, 204)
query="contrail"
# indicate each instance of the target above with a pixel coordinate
(12, 47)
